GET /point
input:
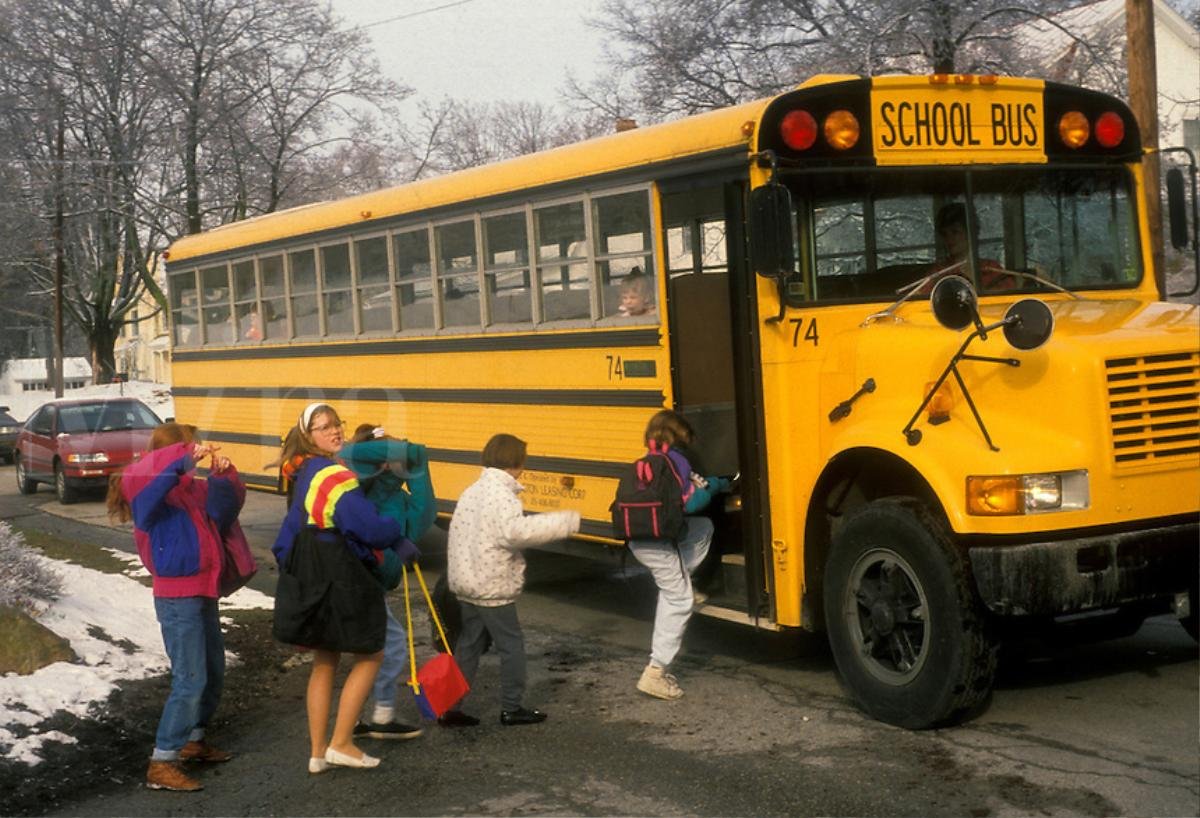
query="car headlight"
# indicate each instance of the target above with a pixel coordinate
(1008, 494)
(97, 457)
(9, 430)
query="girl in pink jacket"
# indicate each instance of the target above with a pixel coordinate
(180, 523)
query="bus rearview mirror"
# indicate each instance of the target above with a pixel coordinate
(1028, 324)
(954, 303)
(1177, 209)
(772, 231)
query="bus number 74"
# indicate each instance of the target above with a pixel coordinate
(810, 334)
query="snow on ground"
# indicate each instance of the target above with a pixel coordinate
(155, 395)
(109, 621)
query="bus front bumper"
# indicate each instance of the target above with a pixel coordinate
(1068, 576)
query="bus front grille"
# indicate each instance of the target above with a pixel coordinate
(1154, 408)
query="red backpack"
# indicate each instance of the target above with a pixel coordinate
(649, 500)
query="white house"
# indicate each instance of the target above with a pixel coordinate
(1102, 63)
(29, 375)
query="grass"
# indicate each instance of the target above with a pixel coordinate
(86, 555)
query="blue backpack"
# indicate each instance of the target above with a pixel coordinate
(649, 500)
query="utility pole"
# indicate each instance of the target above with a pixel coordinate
(60, 155)
(1143, 99)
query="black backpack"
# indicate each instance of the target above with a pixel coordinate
(649, 501)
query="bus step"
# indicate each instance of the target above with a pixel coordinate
(741, 617)
(733, 576)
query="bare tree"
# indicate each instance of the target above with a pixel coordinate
(455, 134)
(673, 57)
(78, 79)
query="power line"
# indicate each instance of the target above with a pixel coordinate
(414, 14)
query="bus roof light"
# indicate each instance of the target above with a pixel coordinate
(1110, 129)
(799, 130)
(988, 79)
(964, 79)
(842, 130)
(1073, 129)
(939, 79)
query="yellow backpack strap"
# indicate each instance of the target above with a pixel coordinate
(412, 654)
(432, 611)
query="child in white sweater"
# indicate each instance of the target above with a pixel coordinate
(486, 571)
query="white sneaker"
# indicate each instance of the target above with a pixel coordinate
(657, 682)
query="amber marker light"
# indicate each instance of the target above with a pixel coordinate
(989, 79)
(1110, 129)
(842, 130)
(799, 130)
(939, 79)
(991, 495)
(748, 128)
(964, 79)
(1073, 129)
(940, 404)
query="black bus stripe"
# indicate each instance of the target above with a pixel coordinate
(462, 457)
(536, 397)
(591, 339)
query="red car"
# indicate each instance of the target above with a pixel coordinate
(77, 444)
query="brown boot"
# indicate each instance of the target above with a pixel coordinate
(168, 775)
(203, 751)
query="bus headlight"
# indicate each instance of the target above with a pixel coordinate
(1010, 494)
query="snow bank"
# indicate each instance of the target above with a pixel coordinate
(155, 395)
(109, 621)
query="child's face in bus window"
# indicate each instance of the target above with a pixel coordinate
(634, 300)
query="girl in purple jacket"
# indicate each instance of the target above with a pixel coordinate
(179, 525)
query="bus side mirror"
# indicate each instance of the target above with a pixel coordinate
(772, 231)
(1177, 209)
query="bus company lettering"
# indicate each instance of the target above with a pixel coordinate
(545, 491)
(940, 124)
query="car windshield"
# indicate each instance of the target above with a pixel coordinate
(105, 417)
(864, 235)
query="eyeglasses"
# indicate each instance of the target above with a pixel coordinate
(328, 427)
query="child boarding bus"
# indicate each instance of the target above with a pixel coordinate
(916, 315)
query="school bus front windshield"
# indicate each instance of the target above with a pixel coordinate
(867, 234)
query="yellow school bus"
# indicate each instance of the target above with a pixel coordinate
(916, 316)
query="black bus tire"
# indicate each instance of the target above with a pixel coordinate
(1189, 622)
(906, 628)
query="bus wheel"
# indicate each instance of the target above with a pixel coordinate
(905, 627)
(1189, 621)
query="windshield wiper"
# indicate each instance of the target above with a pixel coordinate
(909, 290)
(1045, 282)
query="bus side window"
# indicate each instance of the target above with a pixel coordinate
(562, 253)
(623, 244)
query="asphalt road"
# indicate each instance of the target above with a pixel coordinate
(1097, 729)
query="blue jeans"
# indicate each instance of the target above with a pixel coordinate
(395, 661)
(672, 572)
(192, 635)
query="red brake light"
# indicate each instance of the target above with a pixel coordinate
(1110, 129)
(799, 130)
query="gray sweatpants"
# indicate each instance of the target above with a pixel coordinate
(674, 584)
(501, 622)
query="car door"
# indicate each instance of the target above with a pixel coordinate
(41, 443)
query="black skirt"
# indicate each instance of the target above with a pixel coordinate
(326, 597)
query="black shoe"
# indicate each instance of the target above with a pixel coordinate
(521, 716)
(392, 729)
(457, 718)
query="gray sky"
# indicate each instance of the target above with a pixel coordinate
(479, 49)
